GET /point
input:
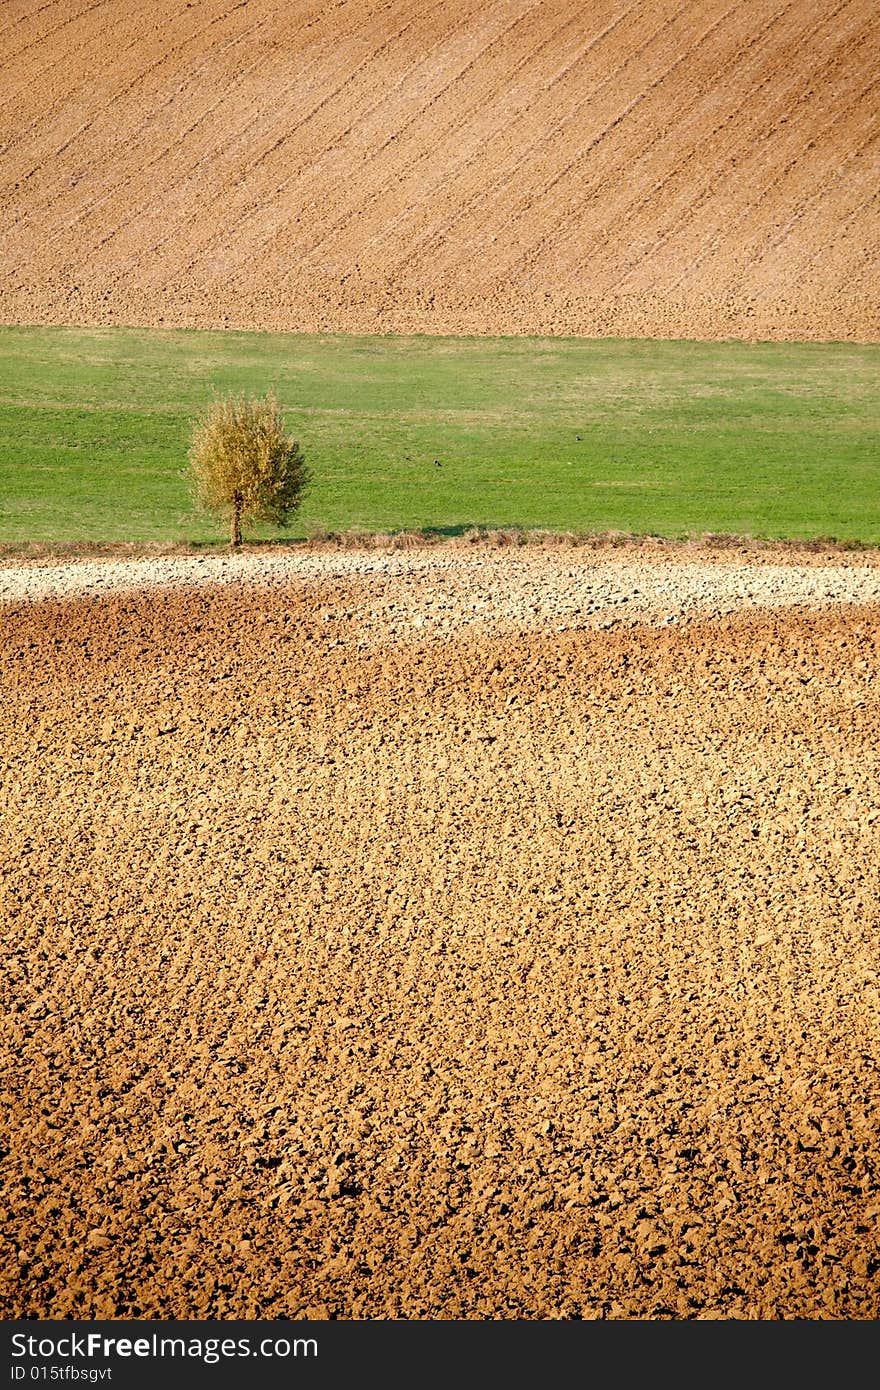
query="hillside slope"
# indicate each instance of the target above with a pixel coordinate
(706, 169)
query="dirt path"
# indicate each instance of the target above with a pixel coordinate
(512, 973)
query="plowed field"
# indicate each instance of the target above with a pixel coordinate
(488, 166)
(477, 969)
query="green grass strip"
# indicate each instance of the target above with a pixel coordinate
(661, 438)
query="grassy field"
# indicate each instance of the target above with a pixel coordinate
(767, 440)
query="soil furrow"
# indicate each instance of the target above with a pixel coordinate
(467, 168)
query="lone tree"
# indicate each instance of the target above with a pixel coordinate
(244, 466)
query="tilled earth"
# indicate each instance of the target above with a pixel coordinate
(700, 170)
(483, 972)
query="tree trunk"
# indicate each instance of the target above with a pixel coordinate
(237, 500)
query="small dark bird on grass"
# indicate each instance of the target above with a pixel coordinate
(578, 438)
(437, 463)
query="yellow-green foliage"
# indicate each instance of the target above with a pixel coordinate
(243, 465)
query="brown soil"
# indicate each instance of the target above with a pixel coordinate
(511, 976)
(662, 169)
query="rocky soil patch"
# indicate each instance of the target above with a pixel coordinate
(444, 588)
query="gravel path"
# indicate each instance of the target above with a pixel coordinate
(445, 589)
